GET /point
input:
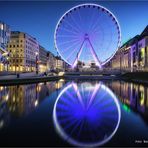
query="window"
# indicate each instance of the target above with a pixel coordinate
(13, 45)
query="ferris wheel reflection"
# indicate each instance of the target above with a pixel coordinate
(86, 114)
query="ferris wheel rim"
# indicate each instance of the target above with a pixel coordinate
(81, 5)
(72, 140)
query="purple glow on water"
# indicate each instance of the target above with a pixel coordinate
(92, 108)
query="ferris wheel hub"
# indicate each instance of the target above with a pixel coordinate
(86, 36)
(99, 34)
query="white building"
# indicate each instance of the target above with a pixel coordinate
(23, 52)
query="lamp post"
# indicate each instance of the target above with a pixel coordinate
(36, 53)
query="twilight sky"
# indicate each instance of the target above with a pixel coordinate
(39, 18)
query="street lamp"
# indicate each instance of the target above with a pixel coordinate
(36, 53)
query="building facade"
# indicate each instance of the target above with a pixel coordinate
(133, 55)
(43, 59)
(51, 61)
(23, 52)
(59, 64)
(4, 39)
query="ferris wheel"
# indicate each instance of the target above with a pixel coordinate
(87, 29)
(86, 116)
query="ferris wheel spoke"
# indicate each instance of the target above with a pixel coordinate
(80, 18)
(99, 100)
(101, 27)
(97, 87)
(66, 119)
(67, 36)
(73, 26)
(70, 100)
(105, 104)
(69, 47)
(75, 22)
(62, 107)
(97, 28)
(98, 32)
(96, 23)
(109, 113)
(67, 30)
(78, 94)
(72, 53)
(71, 97)
(75, 122)
(80, 128)
(110, 42)
(75, 127)
(68, 42)
(92, 19)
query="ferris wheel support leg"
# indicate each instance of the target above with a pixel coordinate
(97, 87)
(78, 94)
(78, 55)
(95, 55)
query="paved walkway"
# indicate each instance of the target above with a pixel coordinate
(22, 75)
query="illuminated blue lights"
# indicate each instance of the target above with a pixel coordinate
(86, 114)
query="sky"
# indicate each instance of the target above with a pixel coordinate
(39, 18)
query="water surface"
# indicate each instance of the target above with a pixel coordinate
(75, 113)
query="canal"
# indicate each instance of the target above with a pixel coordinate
(74, 113)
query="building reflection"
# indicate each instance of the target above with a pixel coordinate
(21, 100)
(133, 96)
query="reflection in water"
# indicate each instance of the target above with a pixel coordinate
(21, 100)
(86, 114)
(133, 97)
